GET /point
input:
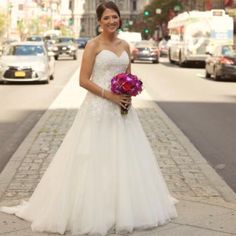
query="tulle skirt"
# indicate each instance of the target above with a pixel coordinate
(103, 177)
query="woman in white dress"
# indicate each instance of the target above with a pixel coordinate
(104, 177)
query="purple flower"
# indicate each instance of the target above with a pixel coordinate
(125, 83)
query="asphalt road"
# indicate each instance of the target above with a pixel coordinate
(203, 109)
(22, 105)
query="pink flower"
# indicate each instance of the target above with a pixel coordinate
(125, 83)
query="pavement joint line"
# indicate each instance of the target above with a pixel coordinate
(12, 231)
(206, 228)
(206, 202)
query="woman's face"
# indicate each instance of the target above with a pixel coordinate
(110, 21)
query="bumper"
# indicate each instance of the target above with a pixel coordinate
(228, 71)
(198, 58)
(144, 58)
(39, 76)
(65, 52)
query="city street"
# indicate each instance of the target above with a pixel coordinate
(22, 105)
(203, 196)
(203, 109)
(159, 163)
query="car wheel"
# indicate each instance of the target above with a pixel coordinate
(182, 63)
(169, 56)
(74, 57)
(155, 61)
(51, 77)
(216, 77)
(132, 60)
(207, 75)
(56, 57)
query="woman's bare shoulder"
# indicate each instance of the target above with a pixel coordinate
(92, 44)
(125, 45)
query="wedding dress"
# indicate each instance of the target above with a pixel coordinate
(104, 176)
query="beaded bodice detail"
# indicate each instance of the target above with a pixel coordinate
(107, 65)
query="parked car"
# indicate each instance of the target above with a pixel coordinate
(163, 47)
(145, 51)
(26, 61)
(131, 38)
(66, 46)
(82, 41)
(221, 63)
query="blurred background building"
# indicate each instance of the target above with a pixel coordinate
(130, 10)
(19, 18)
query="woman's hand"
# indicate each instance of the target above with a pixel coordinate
(122, 100)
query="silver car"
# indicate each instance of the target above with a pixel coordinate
(26, 61)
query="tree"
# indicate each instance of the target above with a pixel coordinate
(2, 24)
(152, 20)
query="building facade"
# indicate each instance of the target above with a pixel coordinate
(130, 9)
(203, 5)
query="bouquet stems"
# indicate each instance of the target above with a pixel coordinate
(124, 111)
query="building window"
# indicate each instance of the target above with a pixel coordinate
(134, 5)
(71, 4)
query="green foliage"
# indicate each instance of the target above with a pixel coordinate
(66, 31)
(150, 20)
(3, 24)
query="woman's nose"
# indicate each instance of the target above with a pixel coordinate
(111, 20)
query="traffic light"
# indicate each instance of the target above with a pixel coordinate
(146, 13)
(71, 21)
(146, 30)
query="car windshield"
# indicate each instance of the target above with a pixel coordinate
(65, 40)
(25, 50)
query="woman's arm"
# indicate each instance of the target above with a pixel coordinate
(127, 49)
(86, 69)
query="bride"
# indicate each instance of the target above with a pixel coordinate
(104, 177)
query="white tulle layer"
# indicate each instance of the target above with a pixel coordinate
(104, 177)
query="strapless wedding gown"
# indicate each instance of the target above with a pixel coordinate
(104, 177)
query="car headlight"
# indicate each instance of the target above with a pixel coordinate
(3, 66)
(72, 47)
(55, 48)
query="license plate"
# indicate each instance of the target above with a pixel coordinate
(19, 74)
(145, 52)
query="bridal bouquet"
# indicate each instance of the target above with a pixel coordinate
(126, 84)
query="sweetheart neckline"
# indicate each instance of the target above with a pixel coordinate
(118, 56)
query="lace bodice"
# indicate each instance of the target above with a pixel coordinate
(107, 65)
